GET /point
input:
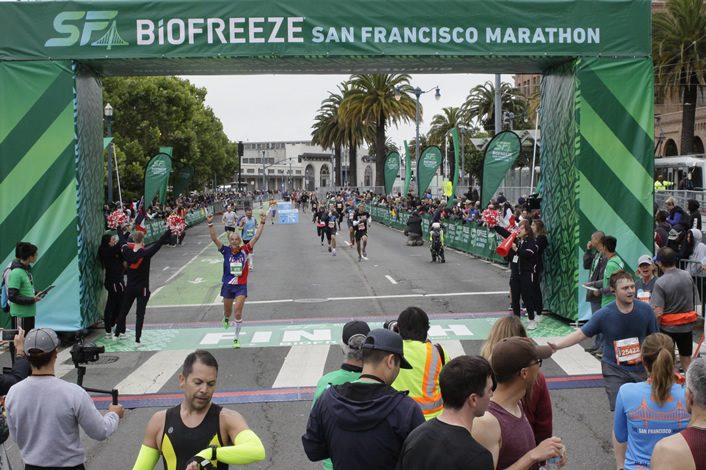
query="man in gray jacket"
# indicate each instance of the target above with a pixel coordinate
(44, 412)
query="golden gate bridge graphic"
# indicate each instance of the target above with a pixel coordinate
(110, 38)
(646, 414)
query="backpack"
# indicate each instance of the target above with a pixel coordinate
(4, 296)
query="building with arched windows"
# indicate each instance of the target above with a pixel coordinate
(299, 165)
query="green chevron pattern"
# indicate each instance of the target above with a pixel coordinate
(38, 181)
(89, 171)
(616, 158)
(597, 167)
(559, 188)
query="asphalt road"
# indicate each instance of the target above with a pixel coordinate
(297, 281)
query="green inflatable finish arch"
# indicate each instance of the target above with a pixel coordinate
(596, 111)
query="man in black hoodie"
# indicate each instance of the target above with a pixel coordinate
(138, 258)
(363, 424)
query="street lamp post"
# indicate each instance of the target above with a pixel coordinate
(262, 160)
(417, 93)
(108, 113)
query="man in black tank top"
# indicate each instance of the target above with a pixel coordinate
(687, 450)
(198, 430)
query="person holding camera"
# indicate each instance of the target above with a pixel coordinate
(44, 412)
(21, 368)
(426, 359)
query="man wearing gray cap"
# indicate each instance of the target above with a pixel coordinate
(44, 412)
(353, 337)
(363, 424)
(504, 429)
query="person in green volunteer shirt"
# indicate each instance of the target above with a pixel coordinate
(353, 337)
(20, 289)
(613, 264)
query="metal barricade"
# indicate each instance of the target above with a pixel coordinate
(698, 274)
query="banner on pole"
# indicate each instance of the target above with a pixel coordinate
(157, 177)
(183, 179)
(407, 168)
(457, 158)
(426, 167)
(392, 169)
(500, 155)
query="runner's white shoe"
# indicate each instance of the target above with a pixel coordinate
(531, 325)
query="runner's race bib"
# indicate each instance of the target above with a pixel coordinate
(361, 225)
(236, 268)
(350, 215)
(627, 351)
(332, 223)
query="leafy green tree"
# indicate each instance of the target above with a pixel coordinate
(679, 52)
(166, 111)
(371, 101)
(479, 106)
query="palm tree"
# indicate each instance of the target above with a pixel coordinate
(355, 131)
(679, 52)
(480, 104)
(371, 101)
(441, 125)
(327, 130)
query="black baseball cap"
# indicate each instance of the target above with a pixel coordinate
(388, 341)
(352, 328)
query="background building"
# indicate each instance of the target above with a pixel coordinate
(298, 165)
(668, 113)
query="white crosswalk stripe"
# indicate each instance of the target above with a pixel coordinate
(574, 360)
(151, 376)
(303, 366)
(453, 348)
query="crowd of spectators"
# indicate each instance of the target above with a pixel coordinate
(465, 209)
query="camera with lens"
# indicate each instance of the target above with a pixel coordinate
(391, 325)
(84, 353)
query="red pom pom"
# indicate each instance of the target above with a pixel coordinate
(176, 224)
(116, 219)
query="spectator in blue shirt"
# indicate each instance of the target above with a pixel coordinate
(648, 411)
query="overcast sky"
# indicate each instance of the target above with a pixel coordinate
(255, 108)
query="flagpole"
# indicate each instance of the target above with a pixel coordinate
(117, 175)
(534, 152)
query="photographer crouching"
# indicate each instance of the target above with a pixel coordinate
(44, 412)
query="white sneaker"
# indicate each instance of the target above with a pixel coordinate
(365, 258)
(532, 325)
(538, 318)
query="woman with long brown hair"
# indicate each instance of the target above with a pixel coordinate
(648, 411)
(523, 262)
(537, 405)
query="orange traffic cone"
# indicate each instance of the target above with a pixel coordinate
(504, 248)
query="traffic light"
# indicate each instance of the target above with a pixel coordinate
(241, 148)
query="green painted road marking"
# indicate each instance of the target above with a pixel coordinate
(268, 336)
(198, 283)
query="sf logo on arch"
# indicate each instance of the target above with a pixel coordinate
(82, 26)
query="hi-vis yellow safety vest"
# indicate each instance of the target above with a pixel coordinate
(422, 381)
(448, 188)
